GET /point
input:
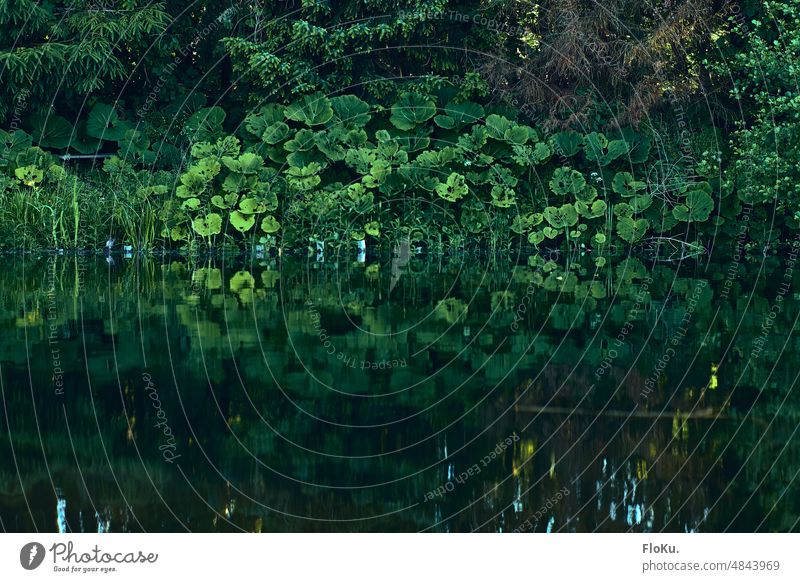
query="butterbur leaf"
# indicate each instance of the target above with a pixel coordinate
(696, 207)
(638, 145)
(602, 151)
(242, 222)
(497, 125)
(587, 195)
(625, 185)
(208, 225)
(350, 110)
(219, 202)
(641, 202)
(104, 123)
(275, 133)
(270, 224)
(631, 230)
(411, 110)
(541, 152)
(246, 164)
(561, 217)
(454, 188)
(248, 206)
(51, 131)
(463, 113)
(536, 237)
(595, 210)
(191, 204)
(503, 197)
(550, 232)
(623, 210)
(444, 121)
(567, 143)
(312, 110)
(205, 124)
(257, 122)
(567, 181)
(29, 175)
(301, 142)
(516, 135)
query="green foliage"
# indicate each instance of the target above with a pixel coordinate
(760, 55)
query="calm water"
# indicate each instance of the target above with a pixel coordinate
(440, 395)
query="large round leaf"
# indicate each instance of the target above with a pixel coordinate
(270, 224)
(242, 222)
(562, 217)
(631, 230)
(696, 207)
(312, 110)
(567, 181)
(411, 110)
(350, 110)
(104, 123)
(208, 225)
(205, 124)
(51, 131)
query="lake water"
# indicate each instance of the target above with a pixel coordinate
(435, 394)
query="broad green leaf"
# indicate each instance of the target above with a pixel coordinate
(242, 222)
(312, 110)
(208, 225)
(561, 217)
(567, 143)
(625, 185)
(51, 131)
(454, 188)
(270, 224)
(567, 181)
(350, 110)
(696, 207)
(497, 125)
(411, 110)
(631, 230)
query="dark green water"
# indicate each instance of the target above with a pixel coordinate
(442, 395)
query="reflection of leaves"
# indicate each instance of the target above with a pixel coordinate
(242, 280)
(208, 276)
(269, 278)
(451, 310)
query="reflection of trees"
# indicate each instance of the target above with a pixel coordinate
(244, 357)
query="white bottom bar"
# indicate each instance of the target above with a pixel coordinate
(401, 557)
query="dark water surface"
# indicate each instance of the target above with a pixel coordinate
(445, 394)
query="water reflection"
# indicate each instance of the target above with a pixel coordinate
(290, 395)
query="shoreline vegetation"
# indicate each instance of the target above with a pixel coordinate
(268, 129)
